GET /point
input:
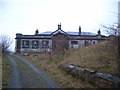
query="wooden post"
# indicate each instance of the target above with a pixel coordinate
(119, 53)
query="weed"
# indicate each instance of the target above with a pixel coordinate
(5, 72)
(102, 57)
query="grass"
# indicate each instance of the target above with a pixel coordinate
(24, 66)
(101, 57)
(21, 64)
(52, 70)
(5, 72)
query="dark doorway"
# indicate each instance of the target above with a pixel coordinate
(86, 43)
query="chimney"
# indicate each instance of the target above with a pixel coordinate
(59, 26)
(79, 33)
(36, 32)
(99, 32)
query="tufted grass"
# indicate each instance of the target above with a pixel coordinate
(5, 72)
(101, 57)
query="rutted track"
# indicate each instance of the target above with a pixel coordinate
(15, 78)
(26, 75)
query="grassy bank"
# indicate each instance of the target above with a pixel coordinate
(5, 72)
(51, 69)
(101, 57)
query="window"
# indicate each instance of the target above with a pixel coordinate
(34, 44)
(86, 43)
(45, 44)
(74, 42)
(25, 44)
(93, 42)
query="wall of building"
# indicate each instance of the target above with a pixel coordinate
(56, 42)
(36, 50)
(71, 44)
(82, 43)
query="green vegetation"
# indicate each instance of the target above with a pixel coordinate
(5, 72)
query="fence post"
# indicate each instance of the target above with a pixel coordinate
(118, 53)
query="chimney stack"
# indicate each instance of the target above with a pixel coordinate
(99, 32)
(36, 32)
(79, 33)
(59, 26)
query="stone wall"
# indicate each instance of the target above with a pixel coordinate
(36, 50)
(92, 76)
(81, 43)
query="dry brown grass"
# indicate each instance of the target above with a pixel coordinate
(52, 70)
(5, 72)
(101, 57)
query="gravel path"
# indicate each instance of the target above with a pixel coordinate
(26, 75)
(15, 78)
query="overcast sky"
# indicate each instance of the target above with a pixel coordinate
(25, 16)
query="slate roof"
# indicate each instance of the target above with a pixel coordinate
(70, 33)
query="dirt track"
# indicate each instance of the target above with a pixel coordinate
(26, 75)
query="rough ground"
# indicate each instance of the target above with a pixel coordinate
(26, 75)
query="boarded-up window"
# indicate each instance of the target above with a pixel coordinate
(25, 44)
(74, 42)
(34, 44)
(45, 44)
(93, 42)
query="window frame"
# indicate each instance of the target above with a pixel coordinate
(46, 44)
(25, 45)
(35, 46)
(72, 42)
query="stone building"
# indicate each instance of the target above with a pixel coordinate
(55, 41)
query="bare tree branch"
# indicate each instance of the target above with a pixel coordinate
(111, 29)
(6, 42)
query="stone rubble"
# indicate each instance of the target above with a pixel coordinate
(90, 75)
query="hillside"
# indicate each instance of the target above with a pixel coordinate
(101, 57)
